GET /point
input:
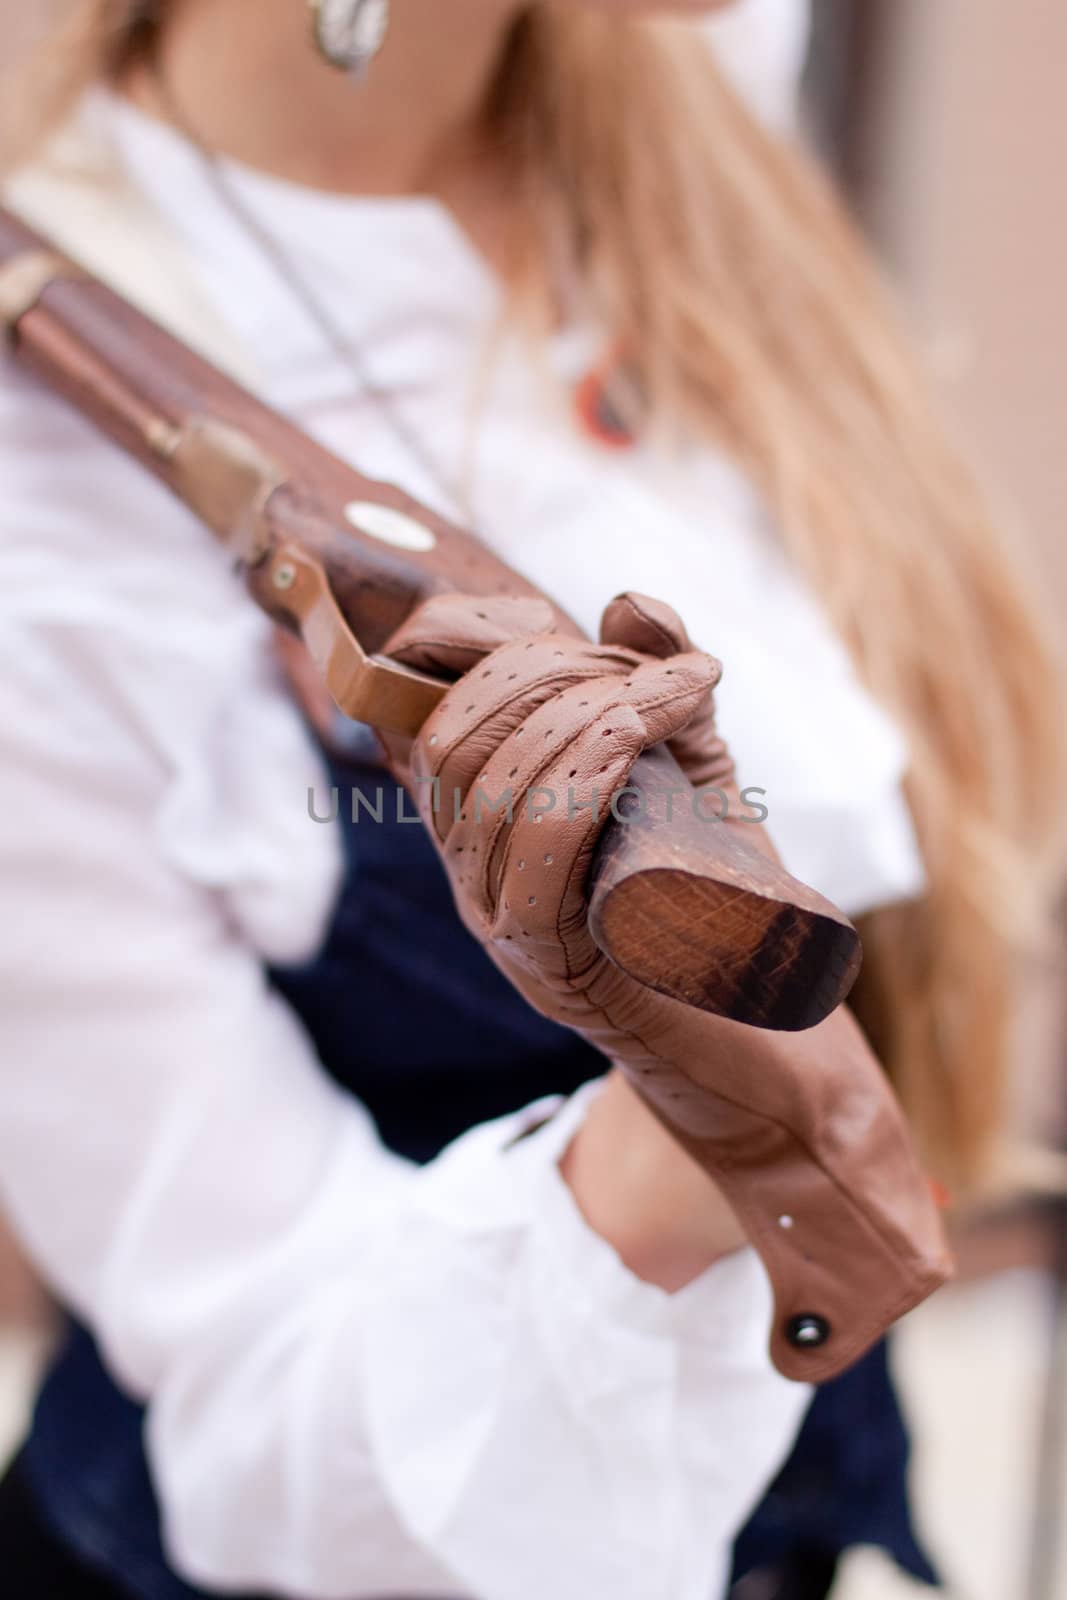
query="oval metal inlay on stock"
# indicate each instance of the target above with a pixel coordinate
(389, 525)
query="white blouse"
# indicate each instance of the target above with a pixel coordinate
(364, 1378)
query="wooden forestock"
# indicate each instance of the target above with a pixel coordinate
(687, 906)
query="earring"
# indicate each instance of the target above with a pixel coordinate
(349, 33)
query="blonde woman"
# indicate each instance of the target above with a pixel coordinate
(539, 264)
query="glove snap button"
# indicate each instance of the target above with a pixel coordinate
(807, 1332)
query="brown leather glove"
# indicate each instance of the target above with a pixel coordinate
(800, 1131)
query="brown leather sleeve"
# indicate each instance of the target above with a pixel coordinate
(801, 1131)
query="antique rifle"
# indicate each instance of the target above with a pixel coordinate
(692, 910)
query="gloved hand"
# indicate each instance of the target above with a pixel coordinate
(800, 1131)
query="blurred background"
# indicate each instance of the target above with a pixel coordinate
(945, 122)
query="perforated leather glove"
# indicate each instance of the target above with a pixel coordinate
(800, 1131)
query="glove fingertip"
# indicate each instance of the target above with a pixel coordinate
(641, 623)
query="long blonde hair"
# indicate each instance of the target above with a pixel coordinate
(749, 314)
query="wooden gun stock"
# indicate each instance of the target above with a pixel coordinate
(688, 907)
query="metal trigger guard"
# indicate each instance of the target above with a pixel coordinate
(370, 689)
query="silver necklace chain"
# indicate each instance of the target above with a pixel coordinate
(287, 272)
